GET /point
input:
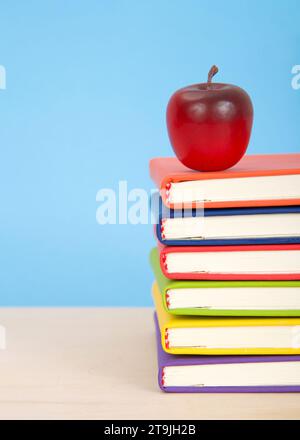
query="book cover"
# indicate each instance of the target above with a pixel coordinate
(165, 213)
(168, 170)
(167, 321)
(168, 360)
(165, 284)
(203, 275)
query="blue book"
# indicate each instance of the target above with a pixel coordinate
(227, 226)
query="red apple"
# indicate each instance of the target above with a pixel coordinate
(210, 124)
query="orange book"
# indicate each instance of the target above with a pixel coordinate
(257, 180)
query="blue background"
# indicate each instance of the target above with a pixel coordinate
(87, 87)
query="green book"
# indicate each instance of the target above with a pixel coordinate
(227, 298)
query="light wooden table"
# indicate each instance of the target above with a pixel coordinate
(101, 364)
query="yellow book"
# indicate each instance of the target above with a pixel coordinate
(226, 336)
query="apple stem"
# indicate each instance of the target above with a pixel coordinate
(213, 71)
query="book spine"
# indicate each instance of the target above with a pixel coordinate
(162, 229)
(168, 299)
(164, 262)
(167, 343)
(168, 188)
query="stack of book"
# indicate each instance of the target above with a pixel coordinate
(227, 270)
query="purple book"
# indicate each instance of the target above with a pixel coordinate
(273, 370)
